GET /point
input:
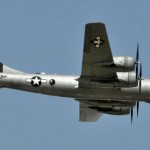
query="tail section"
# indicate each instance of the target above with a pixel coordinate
(1, 67)
(6, 69)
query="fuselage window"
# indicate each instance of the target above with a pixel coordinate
(51, 81)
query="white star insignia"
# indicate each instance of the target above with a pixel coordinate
(36, 81)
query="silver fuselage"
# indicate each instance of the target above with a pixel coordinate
(67, 86)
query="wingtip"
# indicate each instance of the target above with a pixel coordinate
(94, 23)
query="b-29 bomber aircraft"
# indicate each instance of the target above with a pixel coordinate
(107, 84)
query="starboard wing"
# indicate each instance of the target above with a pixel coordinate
(96, 51)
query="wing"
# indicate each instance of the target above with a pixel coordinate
(91, 110)
(96, 51)
(87, 114)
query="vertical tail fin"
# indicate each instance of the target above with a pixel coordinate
(1, 67)
(6, 69)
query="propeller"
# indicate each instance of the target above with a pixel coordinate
(131, 111)
(137, 61)
(138, 78)
(137, 104)
(140, 83)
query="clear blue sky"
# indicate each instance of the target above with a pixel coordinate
(47, 35)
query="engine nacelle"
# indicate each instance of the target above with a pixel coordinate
(110, 103)
(120, 64)
(119, 111)
(113, 110)
(124, 79)
(127, 79)
(124, 64)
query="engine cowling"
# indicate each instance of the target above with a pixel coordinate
(120, 64)
(128, 79)
(113, 110)
(124, 64)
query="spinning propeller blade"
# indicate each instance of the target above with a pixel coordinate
(137, 104)
(131, 114)
(137, 61)
(139, 78)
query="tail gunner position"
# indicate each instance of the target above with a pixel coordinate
(107, 84)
